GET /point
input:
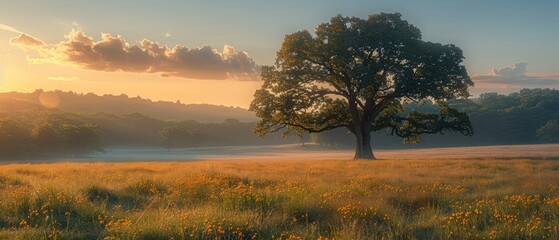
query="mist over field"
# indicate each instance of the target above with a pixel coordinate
(309, 152)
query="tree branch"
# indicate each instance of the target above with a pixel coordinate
(312, 130)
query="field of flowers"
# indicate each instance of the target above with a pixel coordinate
(291, 199)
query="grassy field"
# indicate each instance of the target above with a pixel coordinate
(275, 199)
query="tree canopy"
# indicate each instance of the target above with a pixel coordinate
(356, 73)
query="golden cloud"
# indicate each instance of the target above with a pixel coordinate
(64, 78)
(116, 54)
(26, 41)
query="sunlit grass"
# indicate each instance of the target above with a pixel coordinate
(291, 199)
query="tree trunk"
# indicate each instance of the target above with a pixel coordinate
(363, 148)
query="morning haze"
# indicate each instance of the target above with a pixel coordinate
(292, 120)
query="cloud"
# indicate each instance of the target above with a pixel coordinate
(64, 78)
(168, 35)
(114, 53)
(9, 29)
(516, 77)
(517, 70)
(27, 42)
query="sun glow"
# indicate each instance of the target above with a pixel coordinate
(49, 99)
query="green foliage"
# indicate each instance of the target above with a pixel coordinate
(48, 138)
(515, 118)
(15, 139)
(53, 133)
(179, 136)
(333, 138)
(412, 126)
(356, 73)
(43, 134)
(524, 117)
(549, 132)
(81, 140)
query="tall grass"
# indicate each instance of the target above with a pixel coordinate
(272, 199)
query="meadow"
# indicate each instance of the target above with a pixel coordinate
(481, 198)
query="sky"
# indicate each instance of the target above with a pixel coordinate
(210, 51)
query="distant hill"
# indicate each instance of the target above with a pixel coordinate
(122, 104)
(8, 104)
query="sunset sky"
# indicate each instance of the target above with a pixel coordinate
(209, 51)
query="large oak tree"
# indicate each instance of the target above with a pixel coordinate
(356, 73)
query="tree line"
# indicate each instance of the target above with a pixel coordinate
(50, 133)
(526, 117)
(530, 116)
(40, 135)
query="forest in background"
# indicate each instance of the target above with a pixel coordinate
(81, 124)
(54, 133)
(530, 116)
